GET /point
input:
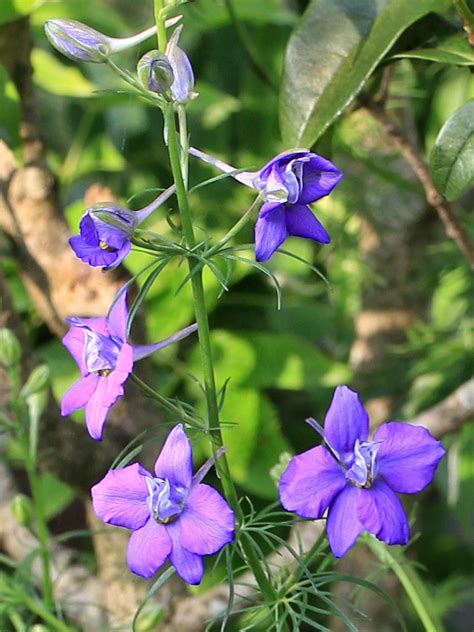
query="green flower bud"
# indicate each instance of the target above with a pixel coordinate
(155, 73)
(22, 510)
(10, 350)
(37, 381)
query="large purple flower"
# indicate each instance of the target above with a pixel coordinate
(106, 231)
(105, 359)
(357, 479)
(288, 183)
(172, 514)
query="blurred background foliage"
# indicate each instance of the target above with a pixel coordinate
(283, 364)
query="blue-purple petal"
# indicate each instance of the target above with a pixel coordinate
(343, 526)
(207, 521)
(381, 513)
(79, 394)
(94, 255)
(118, 316)
(346, 421)
(120, 498)
(270, 230)
(280, 161)
(189, 566)
(301, 222)
(407, 457)
(311, 482)
(74, 343)
(148, 549)
(320, 176)
(175, 461)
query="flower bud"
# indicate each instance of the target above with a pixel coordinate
(37, 381)
(155, 72)
(22, 510)
(10, 350)
(183, 84)
(77, 41)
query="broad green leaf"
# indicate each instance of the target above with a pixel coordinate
(13, 9)
(9, 110)
(55, 77)
(452, 50)
(452, 157)
(332, 53)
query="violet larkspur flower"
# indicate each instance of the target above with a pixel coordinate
(105, 359)
(356, 478)
(288, 183)
(172, 514)
(106, 230)
(155, 72)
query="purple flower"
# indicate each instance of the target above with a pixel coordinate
(105, 359)
(357, 479)
(172, 514)
(106, 231)
(155, 72)
(288, 183)
(183, 83)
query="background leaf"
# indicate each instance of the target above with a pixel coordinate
(452, 50)
(331, 54)
(55, 77)
(452, 157)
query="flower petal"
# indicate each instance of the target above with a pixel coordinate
(79, 394)
(382, 514)
(74, 343)
(301, 222)
(120, 498)
(148, 549)
(175, 461)
(343, 526)
(270, 230)
(189, 566)
(207, 522)
(108, 390)
(98, 325)
(92, 255)
(346, 421)
(280, 161)
(88, 230)
(320, 176)
(142, 351)
(310, 483)
(407, 457)
(117, 317)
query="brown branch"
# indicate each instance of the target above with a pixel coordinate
(453, 227)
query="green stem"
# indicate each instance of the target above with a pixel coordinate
(236, 228)
(184, 142)
(160, 25)
(412, 584)
(467, 16)
(200, 309)
(44, 614)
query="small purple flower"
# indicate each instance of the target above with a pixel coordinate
(105, 359)
(183, 84)
(357, 479)
(288, 183)
(172, 514)
(107, 229)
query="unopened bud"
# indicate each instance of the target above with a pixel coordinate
(22, 510)
(37, 381)
(10, 350)
(183, 84)
(155, 72)
(77, 41)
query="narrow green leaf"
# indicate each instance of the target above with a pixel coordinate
(332, 53)
(452, 157)
(452, 50)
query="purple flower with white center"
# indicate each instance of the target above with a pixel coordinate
(172, 514)
(183, 84)
(288, 183)
(356, 478)
(106, 231)
(80, 42)
(105, 359)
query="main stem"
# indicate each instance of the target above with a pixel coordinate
(200, 310)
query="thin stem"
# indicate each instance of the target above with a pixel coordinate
(44, 614)
(160, 25)
(410, 581)
(467, 16)
(184, 142)
(236, 228)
